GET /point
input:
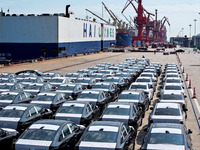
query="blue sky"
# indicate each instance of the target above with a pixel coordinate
(180, 13)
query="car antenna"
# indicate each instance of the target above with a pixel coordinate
(167, 131)
(101, 129)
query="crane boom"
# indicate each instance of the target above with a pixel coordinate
(97, 16)
(111, 15)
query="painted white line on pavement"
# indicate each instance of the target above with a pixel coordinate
(197, 104)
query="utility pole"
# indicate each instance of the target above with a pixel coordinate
(190, 30)
(195, 20)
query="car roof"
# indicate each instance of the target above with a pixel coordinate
(172, 84)
(167, 125)
(75, 103)
(172, 78)
(10, 93)
(144, 78)
(103, 83)
(131, 92)
(39, 84)
(48, 93)
(52, 122)
(167, 105)
(7, 83)
(139, 83)
(120, 104)
(91, 91)
(19, 106)
(172, 92)
(106, 123)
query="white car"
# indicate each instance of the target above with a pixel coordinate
(167, 113)
(173, 97)
(173, 87)
(174, 80)
(148, 80)
(146, 74)
(143, 86)
(170, 75)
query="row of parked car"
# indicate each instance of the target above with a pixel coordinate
(106, 93)
(167, 128)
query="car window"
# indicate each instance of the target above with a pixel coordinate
(124, 133)
(64, 133)
(60, 97)
(39, 109)
(72, 126)
(88, 109)
(31, 112)
(22, 96)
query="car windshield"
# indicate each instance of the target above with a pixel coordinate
(5, 86)
(106, 72)
(69, 88)
(173, 76)
(44, 98)
(166, 138)
(56, 80)
(146, 75)
(173, 87)
(101, 86)
(71, 110)
(96, 76)
(40, 134)
(117, 111)
(100, 136)
(7, 97)
(143, 80)
(48, 75)
(88, 95)
(72, 75)
(28, 80)
(11, 113)
(129, 96)
(138, 87)
(173, 81)
(172, 97)
(23, 75)
(121, 75)
(34, 87)
(82, 81)
(167, 111)
(112, 80)
(4, 81)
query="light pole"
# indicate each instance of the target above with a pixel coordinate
(190, 30)
(195, 20)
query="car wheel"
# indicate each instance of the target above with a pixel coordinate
(131, 145)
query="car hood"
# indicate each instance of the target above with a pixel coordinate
(165, 147)
(24, 144)
(97, 146)
(71, 117)
(8, 122)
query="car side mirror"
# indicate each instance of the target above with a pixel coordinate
(189, 131)
(185, 96)
(32, 96)
(151, 108)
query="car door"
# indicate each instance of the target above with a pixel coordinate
(32, 116)
(64, 137)
(124, 141)
(88, 114)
